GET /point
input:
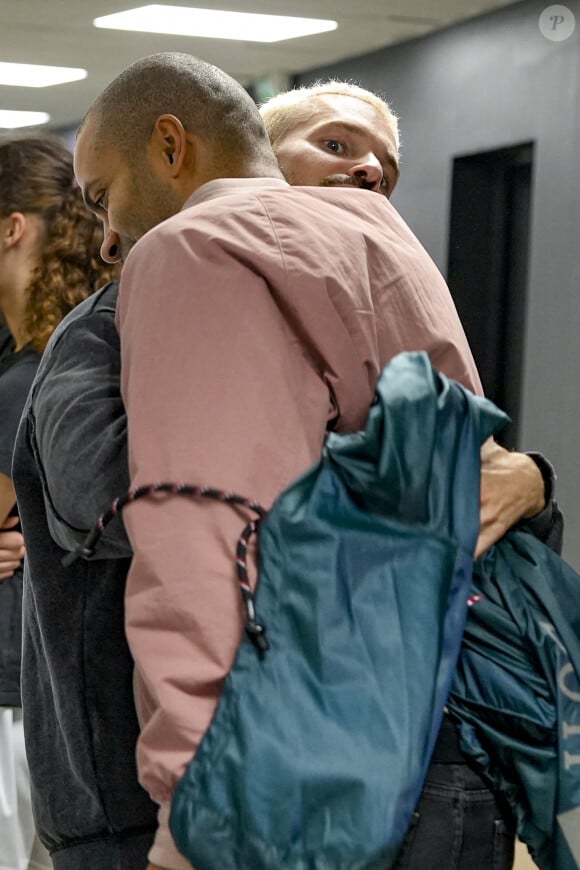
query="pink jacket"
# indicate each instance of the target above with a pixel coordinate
(249, 322)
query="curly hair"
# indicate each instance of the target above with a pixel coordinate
(37, 177)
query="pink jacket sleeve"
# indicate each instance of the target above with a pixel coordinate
(217, 395)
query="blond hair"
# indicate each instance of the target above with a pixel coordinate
(285, 111)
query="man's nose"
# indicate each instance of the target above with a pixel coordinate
(111, 247)
(370, 171)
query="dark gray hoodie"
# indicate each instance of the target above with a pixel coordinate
(77, 672)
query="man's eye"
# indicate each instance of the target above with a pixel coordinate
(334, 146)
(386, 186)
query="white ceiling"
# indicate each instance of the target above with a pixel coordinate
(60, 32)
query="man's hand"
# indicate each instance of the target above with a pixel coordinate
(512, 488)
(11, 548)
(153, 867)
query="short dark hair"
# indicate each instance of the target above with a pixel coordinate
(207, 101)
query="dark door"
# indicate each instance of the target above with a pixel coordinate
(487, 267)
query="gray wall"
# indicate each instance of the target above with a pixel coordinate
(491, 82)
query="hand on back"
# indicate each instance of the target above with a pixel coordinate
(512, 488)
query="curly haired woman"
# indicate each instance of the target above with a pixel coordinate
(49, 261)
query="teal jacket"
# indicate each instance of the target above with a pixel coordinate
(317, 754)
(516, 692)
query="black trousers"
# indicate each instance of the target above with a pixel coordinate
(459, 823)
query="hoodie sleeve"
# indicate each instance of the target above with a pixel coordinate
(79, 433)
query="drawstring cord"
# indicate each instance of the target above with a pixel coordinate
(255, 630)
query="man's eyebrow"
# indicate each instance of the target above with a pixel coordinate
(355, 130)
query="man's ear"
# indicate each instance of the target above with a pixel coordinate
(13, 228)
(169, 143)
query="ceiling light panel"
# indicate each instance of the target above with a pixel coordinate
(31, 75)
(214, 23)
(10, 119)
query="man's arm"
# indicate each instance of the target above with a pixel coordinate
(78, 429)
(225, 400)
(14, 387)
(11, 548)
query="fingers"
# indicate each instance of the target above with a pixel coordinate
(7, 569)
(11, 552)
(11, 545)
(10, 523)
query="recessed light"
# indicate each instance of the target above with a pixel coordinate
(214, 23)
(31, 75)
(10, 119)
